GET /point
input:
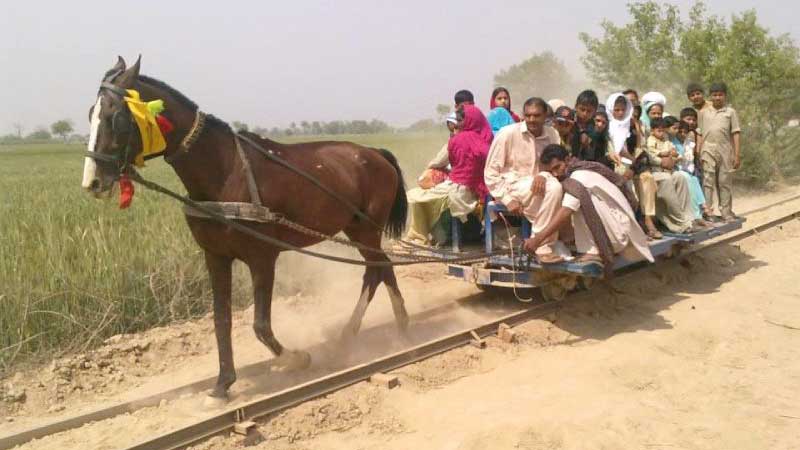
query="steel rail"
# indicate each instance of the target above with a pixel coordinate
(287, 398)
(294, 395)
(107, 412)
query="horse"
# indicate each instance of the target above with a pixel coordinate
(202, 150)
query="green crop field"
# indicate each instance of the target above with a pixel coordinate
(74, 270)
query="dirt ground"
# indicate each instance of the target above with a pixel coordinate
(700, 353)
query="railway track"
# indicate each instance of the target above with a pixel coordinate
(283, 399)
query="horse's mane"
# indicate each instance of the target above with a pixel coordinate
(210, 119)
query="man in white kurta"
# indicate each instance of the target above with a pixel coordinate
(619, 220)
(512, 172)
(626, 237)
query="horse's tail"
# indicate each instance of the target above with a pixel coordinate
(397, 217)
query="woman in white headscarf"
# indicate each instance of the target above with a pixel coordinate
(620, 111)
(652, 101)
(619, 130)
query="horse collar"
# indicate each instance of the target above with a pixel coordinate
(194, 133)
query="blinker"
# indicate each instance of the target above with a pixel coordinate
(121, 122)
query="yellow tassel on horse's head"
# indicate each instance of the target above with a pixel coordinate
(144, 113)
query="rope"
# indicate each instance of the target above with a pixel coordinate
(513, 261)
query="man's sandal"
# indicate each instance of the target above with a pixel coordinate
(549, 259)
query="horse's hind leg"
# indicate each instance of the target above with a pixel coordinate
(398, 304)
(262, 273)
(373, 276)
(371, 281)
(219, 268)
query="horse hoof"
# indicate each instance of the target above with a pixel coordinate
(211, 402)
(291, 361)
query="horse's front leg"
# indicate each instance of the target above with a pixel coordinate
(262, 271)
(219, 268)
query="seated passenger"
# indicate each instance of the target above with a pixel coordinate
(465, 97)
(438, 168)
(599, 148)
(512, 172)
(619, 129)
(624, 141)
(564, 123)
(585, 107)
(606, 225)
(459, 195)
(644, 182)
(654, 104)
(678, 132)
(674, 202)
(500, 113)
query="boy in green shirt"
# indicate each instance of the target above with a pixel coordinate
(720, 153)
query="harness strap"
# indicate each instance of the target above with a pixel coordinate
(255, 198)
(269, 154)
(114, 88)
(232, 211)
(114, 159)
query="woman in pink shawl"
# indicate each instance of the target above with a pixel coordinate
(461, 193)
(467, 150)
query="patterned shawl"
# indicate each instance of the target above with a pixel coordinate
(591, 217)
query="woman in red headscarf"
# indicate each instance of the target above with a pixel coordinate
(460, 194)
(467, 150)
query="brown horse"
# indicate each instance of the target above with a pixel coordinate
(202, 151)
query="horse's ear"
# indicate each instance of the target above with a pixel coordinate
(120, 65)
(129, 77)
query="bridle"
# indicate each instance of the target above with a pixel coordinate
(122, 123)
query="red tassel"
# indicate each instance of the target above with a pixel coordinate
(164, 124)
(125, 191)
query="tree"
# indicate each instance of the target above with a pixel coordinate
(62, 128)
(19, 128)
(425, 125)
(442, 111)
(40, 134)
(641, 53)
(541, 75)
(261, 131)
(657, 51)
(239, 126)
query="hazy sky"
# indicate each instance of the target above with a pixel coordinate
(270, 63)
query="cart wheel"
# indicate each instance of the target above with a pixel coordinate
(553, 292)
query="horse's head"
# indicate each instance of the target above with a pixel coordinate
(114, 141)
